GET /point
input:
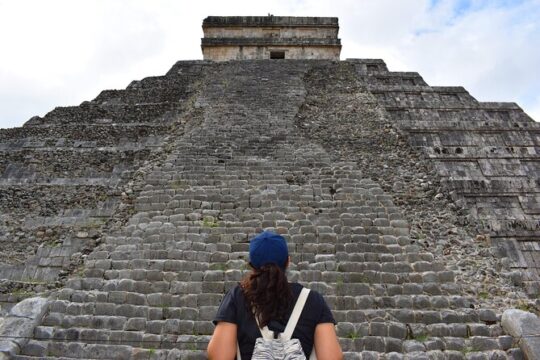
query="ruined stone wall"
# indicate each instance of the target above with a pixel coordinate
(241, 38)
(269, 21)
(270, 32)
(225, 53)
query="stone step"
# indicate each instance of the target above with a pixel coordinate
(181, 347)
(392, 104)
(184, 307)
(134, 331)
(435, 354)
(436, 92)
(349, 257)
(91, 136)
(179, 240)
(385, 344)
(457, 153)
(344, 253)
(193, 347)
(391, 273)
(152, 248)
(401, 79)
(433, 283)
(187, 321)
(401, 301)
(227, 265)
(483, 126)
(411, 297)
(418, 331)
(118, 307)
(117, 115)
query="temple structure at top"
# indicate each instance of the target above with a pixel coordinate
(270, 37)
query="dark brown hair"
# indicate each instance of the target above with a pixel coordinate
(268, 293)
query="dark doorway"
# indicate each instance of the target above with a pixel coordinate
(277, 54)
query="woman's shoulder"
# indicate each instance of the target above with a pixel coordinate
(233, 296)
(236, 292)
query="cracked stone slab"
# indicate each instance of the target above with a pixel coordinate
(31, 308)
(525, 327)
(20, 323)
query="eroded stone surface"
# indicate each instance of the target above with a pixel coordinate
(31, 308)
(525, 328)
(270, 37)
(65, 179)
(17, 328)
(485, 155)
(304, 148)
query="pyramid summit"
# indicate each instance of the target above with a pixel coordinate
(270, 37)
(414, 209)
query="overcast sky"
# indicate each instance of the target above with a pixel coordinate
(62, 52)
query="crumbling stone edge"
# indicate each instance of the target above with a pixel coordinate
(525, 328)
(18, 326)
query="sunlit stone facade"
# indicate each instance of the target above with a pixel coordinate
(270, 37)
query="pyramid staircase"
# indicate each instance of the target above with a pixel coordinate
(235, 159)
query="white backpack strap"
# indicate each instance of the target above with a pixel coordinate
(293, 320)
(313, 355)
(265, 331)
(238, 356)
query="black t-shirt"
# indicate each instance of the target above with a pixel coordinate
(233, 310)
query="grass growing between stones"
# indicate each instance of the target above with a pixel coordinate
(526, 306)
(79, 272)
(219, 266)
(210, 223)
(483, 295)
(179, 185)
(467, 350)
(22, 294)
(421, 338)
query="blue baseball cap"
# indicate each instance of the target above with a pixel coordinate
(268, 248)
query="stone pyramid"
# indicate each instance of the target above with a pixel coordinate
(413, 209)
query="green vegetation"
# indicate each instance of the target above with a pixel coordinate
(525, 306)
(219, 266)
(421, 337)
(179, 185)
(210, 222)
(483, 295)
(467, 349)
(79, 272)
(30, 281)
(22, 294)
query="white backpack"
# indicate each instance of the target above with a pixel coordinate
(268, 348)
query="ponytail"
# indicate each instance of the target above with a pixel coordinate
(268, 293)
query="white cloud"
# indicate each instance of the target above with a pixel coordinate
(62, 52)
(534, 110)
(492, 50)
